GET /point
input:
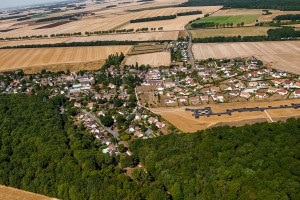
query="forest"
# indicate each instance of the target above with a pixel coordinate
(258, 4)
(260, 161)
(292, 17)
(42, 151)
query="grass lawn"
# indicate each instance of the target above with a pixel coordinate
(247, 19)
(242, 31)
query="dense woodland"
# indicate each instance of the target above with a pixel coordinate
(258, 4)
(43, 152)
(260, 161)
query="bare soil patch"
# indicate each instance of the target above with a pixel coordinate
(282, 55)
(184, 120)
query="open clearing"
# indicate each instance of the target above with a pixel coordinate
(242, 31)
(247, 19)
(186, 122)
(12, 59)
(8, 193)
(282, 55)
(153, 59)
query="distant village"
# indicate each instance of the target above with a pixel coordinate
(115, 104)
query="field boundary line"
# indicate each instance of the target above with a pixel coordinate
(269, 116)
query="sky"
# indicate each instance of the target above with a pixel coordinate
(15, 3)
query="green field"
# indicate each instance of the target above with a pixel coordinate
(247, 19)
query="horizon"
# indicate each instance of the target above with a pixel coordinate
(19, 3)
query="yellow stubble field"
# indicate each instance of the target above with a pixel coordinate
(282, 55)
(12, 59)
(153, 59)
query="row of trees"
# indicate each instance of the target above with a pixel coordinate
(197, 12)
(213, 24)
(259, 161)
(70, 16)
(157, 18)
(292, 17)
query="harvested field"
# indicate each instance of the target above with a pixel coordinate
(282, 55)
(16, 194)
(153, 59)
(53, 25)
(33, 41)
(186, 122)
(242, 31)
(147, 48)
(27, 58)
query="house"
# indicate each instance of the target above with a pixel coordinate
(76, 104)
(263, 84)
(204, 98)
(287, 83)
(245, 95)
(277, 82)
(159, 125)
(194, 99)
(214, 89)
(234, 93)
(170, 94)
(152, 120)
(170, 100)
(90, 105)
(296, 85)
(252, 84)
(282, 91)
(182, 99)
(131, 129)
(169, 84)
(297, 93)
(218, 97)
(206, 90)
(138, 134)
(260, 95)
(272, 90)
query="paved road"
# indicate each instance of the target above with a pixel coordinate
(114, 133)
(190, 54)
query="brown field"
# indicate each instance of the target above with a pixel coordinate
(282, 55)
(33, 41)
(8, 193)
(12, 59)
(184, 120)
(153, 59)
(243, 31)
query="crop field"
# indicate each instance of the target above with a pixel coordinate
(186, 122)
(147, 48)
(282, 55)
(29, 58)
(235, 19)
(242, 31)
(15, 194)
(153, 59)
(33, 41)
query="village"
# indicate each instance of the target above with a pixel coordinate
(114, 104)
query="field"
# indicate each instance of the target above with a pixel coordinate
(282, 55)
(15, 194)
(28, 58)
(242, 31)
(186, 122)
(235, 19)
(147, 48)
(153, 59)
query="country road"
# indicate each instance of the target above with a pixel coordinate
(190, 54)
(114, 133)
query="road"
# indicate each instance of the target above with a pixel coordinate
(114, 133)
(190, 54)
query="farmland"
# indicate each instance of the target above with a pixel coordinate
(186, 122)
(242, 31)
(280, 55)
(153, 59)
(247, 19)
(27, 58)
(15, 194)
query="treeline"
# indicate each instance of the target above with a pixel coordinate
(258, 4)
(72, 16)
(147, 19)
(12, 17)
(109, 31)
(75, 44)
(285, 33)
(42, 151)
(203, 25)
(259, 161)
(190, 13)
(292, 17)
(65, 34)
(23, 18)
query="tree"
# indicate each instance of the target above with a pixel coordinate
(107, 120)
